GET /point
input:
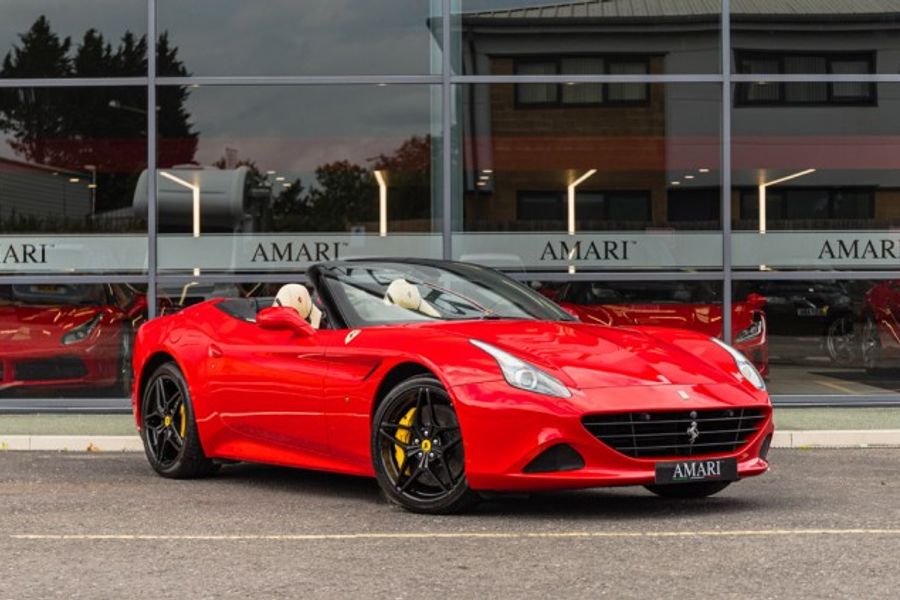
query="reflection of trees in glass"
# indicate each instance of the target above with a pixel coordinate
(93, 128)
(346, 194)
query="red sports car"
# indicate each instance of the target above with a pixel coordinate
(664, 304)
(880, 342)
(57, 335)
(444, 380)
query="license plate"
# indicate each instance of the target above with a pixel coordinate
(688, 471)
(807, 312)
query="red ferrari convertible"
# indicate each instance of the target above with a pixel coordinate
(663, 304)
(444, 380)
(69, 336)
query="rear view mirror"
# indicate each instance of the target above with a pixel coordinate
(281, 317)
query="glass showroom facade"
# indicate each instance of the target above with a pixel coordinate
(731, 167)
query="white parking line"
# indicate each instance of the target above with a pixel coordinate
(459, 535)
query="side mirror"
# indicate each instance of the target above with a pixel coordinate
(281, 317)
(756, 301)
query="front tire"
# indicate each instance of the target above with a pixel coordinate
(870, 346)
(417, 450)
(841, 343)
(689, 490)
(168, 428)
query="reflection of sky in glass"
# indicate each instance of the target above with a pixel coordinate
(314, 37)
(296, 129)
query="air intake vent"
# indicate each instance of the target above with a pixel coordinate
(683, 433)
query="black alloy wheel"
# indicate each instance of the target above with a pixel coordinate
(168, 429)
(417, 449)
(689, 490)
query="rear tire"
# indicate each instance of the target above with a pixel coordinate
(168, 427)
(689, 490)
(417, 449)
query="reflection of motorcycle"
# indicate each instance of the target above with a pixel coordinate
(694, 307)
(800, 311)
(880, 338)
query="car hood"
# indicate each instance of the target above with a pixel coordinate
(29, 325)
(702, 318)
(592, 356)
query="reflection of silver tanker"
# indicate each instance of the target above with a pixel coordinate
(228, 201)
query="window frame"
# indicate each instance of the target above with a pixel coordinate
(645, 195)
(833, 191)
(742, 91)
(558, 59)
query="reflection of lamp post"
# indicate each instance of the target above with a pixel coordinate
(570, 207)
(382, 203)
(762, 194)
(195, 195)
(93, 186)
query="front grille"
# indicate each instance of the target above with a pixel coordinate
(664, 434)
(48, 369)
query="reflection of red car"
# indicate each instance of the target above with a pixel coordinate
(663, 304)
(54, 335)
(880, 343)
(441, 380)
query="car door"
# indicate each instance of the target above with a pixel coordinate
(266, 386)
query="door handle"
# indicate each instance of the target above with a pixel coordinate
(215, 351)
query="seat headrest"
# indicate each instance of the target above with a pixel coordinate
(406, 295)
(296, 296)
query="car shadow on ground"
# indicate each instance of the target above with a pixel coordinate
(613, 503)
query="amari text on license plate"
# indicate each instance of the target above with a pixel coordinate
(688, 471)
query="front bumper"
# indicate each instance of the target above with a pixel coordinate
(504, 429)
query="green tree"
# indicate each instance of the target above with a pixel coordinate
(99, 129)
(344, 197)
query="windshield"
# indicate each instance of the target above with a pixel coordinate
(375, 293)
(589, 293)
(52, 294)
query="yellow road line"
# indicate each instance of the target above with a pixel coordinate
(459, 535)
(836, 386)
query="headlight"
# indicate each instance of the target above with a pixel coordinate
(82, 331)
(755, 330)
(745, 367)
(524, 376)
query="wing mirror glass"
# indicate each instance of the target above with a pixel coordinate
(282, 317)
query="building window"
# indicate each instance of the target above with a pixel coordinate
(632, 206)
(805, 93)
(582, 94)
(810, 204)
(691, 205)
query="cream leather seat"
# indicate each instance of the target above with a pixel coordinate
(296, 296)
(406, 295)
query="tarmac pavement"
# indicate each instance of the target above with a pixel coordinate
(820, 524)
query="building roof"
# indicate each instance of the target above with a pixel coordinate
(642, 9)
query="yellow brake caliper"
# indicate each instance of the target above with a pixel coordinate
(404, 435)
(182, 427)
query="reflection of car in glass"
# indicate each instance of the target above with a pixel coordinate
(880, 338)
(442, 380)
(800, 311)
(696, 307)
(58, 335)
